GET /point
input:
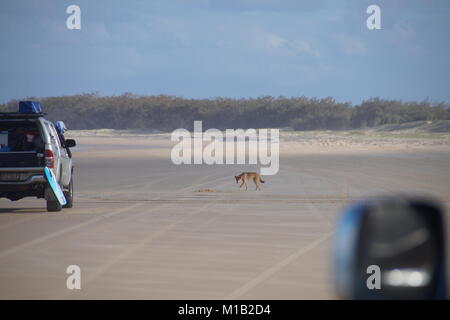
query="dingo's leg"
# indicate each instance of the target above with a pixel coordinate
(243, 182)
(256, 183)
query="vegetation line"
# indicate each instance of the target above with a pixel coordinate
(166, 113)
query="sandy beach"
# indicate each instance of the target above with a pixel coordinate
(144, 228)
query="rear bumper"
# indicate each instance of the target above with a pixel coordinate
(30, 180)
(30, 170)
(21, 176)
(17, 183)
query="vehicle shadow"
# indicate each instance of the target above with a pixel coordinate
(22, 210)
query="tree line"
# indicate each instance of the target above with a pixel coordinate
(166, 113)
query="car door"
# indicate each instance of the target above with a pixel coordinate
(55, 147)
(66, 164)
(65, 161)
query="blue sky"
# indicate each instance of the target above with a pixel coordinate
(227, 48)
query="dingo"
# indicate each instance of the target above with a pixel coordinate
(245, 176)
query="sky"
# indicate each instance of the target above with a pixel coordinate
(226, 48)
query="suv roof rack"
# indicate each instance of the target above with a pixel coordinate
(20, 115)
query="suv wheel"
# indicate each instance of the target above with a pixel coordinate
(69, 195)
(53, 205)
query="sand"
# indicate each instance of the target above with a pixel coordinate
(144, 228)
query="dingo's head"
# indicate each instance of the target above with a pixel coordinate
(237, 178)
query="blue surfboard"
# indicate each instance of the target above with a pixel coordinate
(54, 185)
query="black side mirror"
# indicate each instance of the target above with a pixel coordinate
(398, 240)
(70, 143)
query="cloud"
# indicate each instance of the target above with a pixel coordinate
(269, 42)
(401, 32)
(301, 46)
(350, 44)
(257, 5)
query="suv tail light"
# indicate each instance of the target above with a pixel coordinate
(49, 158)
